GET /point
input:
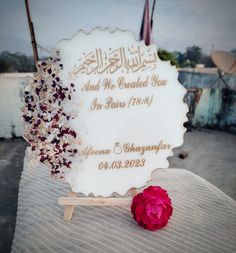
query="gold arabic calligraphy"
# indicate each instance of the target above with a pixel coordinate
(127, 59)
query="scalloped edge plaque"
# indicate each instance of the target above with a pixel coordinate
(125, 111)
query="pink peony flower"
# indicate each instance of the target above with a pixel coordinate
(152, 208)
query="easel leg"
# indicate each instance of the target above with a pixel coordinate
(69, 209)
(133, 191)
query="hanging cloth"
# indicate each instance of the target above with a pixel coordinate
(146, 27)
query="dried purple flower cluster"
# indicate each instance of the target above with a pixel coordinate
(46, 122)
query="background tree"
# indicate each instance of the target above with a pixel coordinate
(181, 58)
(4, 67)
(207, 61)
(194, 54)
(15, 62)
(167, 56)
(233, 51)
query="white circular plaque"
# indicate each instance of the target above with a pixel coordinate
(128, 110)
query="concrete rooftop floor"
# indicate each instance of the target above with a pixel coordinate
(211, 155)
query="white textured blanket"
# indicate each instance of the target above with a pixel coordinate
(204, 219)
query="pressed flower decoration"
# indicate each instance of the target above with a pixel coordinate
(152, 208)
(46, 122)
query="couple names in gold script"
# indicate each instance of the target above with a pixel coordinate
(126, 148)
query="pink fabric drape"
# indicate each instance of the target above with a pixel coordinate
(145, 33)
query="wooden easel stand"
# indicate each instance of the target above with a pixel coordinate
(72, 200)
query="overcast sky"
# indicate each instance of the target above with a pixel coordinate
(177, 23)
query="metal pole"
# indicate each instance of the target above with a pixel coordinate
(32, 35)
